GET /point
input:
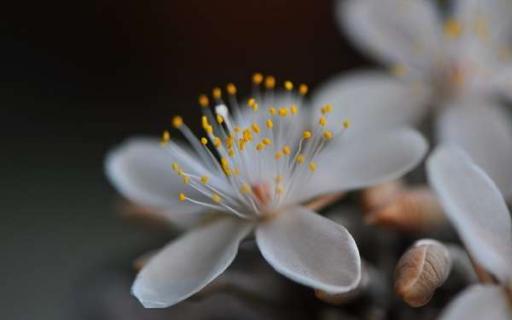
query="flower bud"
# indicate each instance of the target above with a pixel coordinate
(421, 270)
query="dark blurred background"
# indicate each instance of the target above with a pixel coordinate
(77, 77)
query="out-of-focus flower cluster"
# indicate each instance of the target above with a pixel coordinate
(271, 169)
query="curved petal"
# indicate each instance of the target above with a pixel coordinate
(371, 100)
(395, 31)
(188, 264)
(140, 169)
(475, 206)
(310, 250)
(365, 160)
(484, 131)
(479, 302)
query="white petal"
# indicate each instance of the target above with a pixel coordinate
(188, 264)
(140, 169)
(484, 131)
(475, 206)
(396, 31)
(493, 15)
(310, 250)
(479, 302)
(365, 160)
(371, 101)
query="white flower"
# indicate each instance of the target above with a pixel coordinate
(255, 166)
(451, 67)
(478, 211)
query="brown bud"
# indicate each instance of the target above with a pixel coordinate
(375, 197)
(421, 270)
(414, 210)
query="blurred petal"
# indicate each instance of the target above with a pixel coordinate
(479, 302)
(395, 31)
(490, 19)
(365, 160)
(475, 206)
(140, 169)
(372, 101)
(188, 264)
(484, 131)
(310, 250)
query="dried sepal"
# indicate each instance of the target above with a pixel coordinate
(421, 270)
(376, 197)
(414, 210)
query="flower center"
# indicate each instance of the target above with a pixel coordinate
(260, 153)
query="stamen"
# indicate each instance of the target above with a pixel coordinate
(288, 85)
(182, 197)
(204, 180)
(307, 134)
(217, 93)
(272, 111)
(322, 121)
(327, 135)
(177, 122)
(346, 124)
(269, 124)
(203, 101)
(303, 89)
(283, 112)
(257, 78)
(452, 28)
(216, 198)
(231, 89)
(312, 166)
(270, 82)
(166, 137)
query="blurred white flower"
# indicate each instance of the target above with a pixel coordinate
(254, 166)
(452, 67)
(478, 211)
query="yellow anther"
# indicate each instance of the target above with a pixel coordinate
(294, 109)
(257, 78)
(306, 134)
(231, 89)
(216, 198)
(327, 135)
(279, 179)
(278, 155)
(288, 85)
(322, 121)
(237, 129)
(229, 141)
(326, 108)
(182, 197)
(252, 103)
(269, 124)
(217, 142)
(176, 167)
(270, 82)
(303, 89)
(217, 93)
(204, 121)
(231, 152)
(346, 124)
(245, 188)
(241, 144)
(220, 119)
(256, 128)
(209, 129)
(203, 101)
(452, 28)
(260, 146)
(225, 165)
(283, 111)
(398, 70)
(247, 135)
(186, 179)
(312, 166)
(204, 141)
(300, 159)
(279, 190)
(166, 136)
(204, 179)
(266, 141)
(287, 150)
(272, 111)
(177, 121)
